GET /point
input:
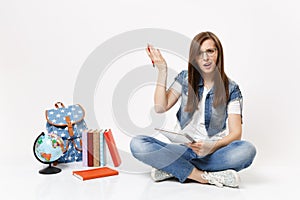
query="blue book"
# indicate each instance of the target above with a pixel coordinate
(102, 146)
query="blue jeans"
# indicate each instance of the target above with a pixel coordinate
(179, 160)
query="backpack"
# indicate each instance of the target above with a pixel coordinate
(68, 123)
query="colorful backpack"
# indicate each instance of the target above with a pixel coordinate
(68, 123)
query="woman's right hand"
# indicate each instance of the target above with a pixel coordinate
(156, 58)
(203, 148)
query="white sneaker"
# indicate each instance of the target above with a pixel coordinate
(159, 175)
(228, 178)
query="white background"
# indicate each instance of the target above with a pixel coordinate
(43, 45)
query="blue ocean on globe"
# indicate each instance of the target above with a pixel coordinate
(49, 147)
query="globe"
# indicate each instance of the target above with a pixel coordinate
(47, 149)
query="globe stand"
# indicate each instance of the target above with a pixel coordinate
(50, 170)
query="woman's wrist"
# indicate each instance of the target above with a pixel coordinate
(163, 71)
(161, 67)
(162, 74)
(215, 146)
(162, 78)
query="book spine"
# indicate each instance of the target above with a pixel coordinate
(112, 148)
(102, 143)
(90, 149)
(84, 148)
(96, 149)
(78, 176)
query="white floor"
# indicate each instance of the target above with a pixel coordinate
(22, 181)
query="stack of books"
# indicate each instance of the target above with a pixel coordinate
(95, 143)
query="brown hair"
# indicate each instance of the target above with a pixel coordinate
(221, 82)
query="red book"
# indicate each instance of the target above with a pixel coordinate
(90, 149)
(112, 147)
(95, 173)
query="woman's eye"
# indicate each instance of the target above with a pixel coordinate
(210, 51)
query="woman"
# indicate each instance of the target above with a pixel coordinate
(210, 111)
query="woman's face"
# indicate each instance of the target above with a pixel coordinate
(207, 58)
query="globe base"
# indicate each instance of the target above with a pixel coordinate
(50, 170)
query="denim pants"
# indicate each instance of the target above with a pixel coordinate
(179, 160)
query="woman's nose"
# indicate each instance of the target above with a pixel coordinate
(205, 56)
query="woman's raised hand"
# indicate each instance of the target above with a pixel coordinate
(156, 58)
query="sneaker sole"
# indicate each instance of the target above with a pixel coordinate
(158, 179)
(237, 178)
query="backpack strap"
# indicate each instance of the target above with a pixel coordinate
(69, 124)
(67, 147)
(71, 133)
(59, 103)
(78, 149)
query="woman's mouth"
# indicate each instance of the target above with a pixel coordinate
(207, 64)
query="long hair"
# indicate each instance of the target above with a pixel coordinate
(221, 82)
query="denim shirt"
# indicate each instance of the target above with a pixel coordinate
(215, 118)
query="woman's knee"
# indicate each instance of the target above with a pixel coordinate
(245, 153)
(249, 150)
(136, 144)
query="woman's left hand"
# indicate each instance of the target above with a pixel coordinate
(202, 148)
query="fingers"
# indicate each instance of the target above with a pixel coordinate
(197, 147)
(202, 148)
(153, 53)
(148, 49)
(156, 58)
(196, 144)
(149, 52)
(159, 54)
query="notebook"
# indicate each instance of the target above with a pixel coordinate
(95, 173)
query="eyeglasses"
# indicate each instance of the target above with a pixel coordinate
(208, 52)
